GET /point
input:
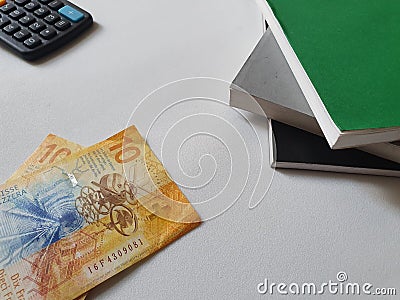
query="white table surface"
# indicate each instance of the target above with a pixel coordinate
(309, 226)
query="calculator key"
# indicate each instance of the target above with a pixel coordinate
(31, 6)
(56, 4)
(45, 1)
(52, 18)
(11, 28)
(37, 26)
(4, 21)
(17, 14)
(62, 25)
(27, 20)
(21, 2)
(7, 8)
(48, 33)
(71, 13)
(41, 12)
(32, 42)
(22, 35)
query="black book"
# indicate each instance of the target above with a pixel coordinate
(294, 148)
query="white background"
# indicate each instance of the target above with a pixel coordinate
(310, 226)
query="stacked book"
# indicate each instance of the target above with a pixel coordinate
(325, 74)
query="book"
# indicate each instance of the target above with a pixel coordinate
(267, 78)
(294, 148)
(344, 56)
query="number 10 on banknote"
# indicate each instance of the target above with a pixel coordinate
(74, 224)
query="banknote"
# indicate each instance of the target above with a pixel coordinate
(52, 149)
(69, 226)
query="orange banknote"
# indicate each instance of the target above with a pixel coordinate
(52, 149)
(75, 223)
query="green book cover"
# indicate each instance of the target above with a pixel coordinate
(350, 50)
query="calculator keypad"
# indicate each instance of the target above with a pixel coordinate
(51, 18)
(37, 26)
(4, 21)
(33, 28)
(62, 25)
(56, 4)
(48, 33)
(41, 12)
(11, 28)
(17, 14)
(31, 6)
(22, 35)
(21, 2)
(27, 20)
(32, 42)
(7, 8)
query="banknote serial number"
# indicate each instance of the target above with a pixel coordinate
(116, 255)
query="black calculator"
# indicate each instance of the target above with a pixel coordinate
(33, 28)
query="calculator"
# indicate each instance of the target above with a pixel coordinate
(33, 29)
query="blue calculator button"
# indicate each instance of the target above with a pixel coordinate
(71, 13)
